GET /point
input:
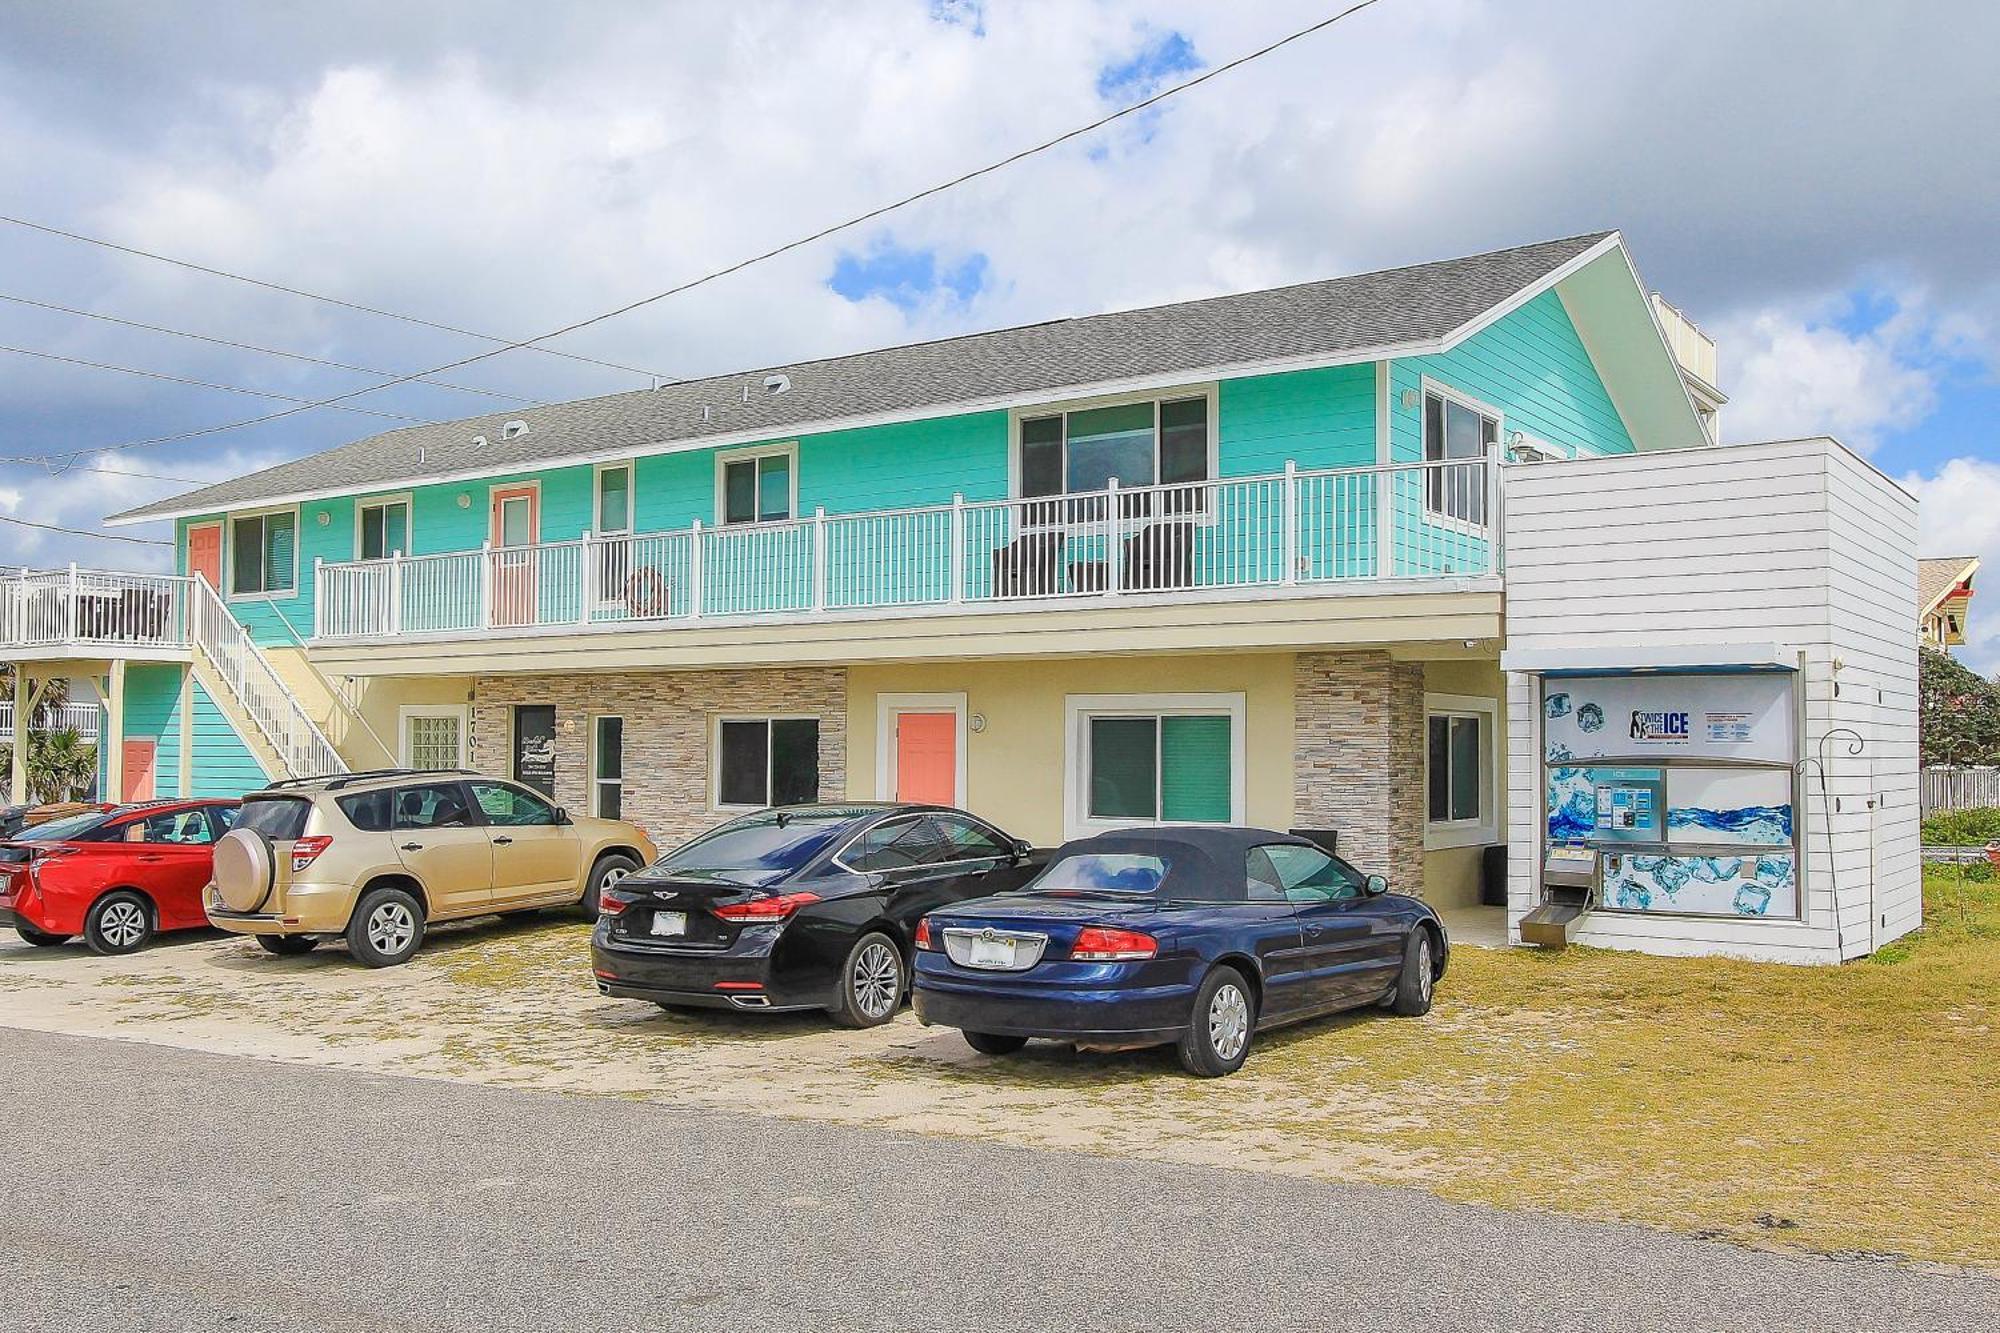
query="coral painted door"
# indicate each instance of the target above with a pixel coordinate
(139, 760)
(927, 758)
(205, 553)
(517, 521)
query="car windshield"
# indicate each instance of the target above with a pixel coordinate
(773, 840)
(1101, 873)
(74, 828)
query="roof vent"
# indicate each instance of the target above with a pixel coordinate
(777, 384)
(479, 441)
(513, 429)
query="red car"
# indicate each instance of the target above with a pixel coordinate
(115, 877)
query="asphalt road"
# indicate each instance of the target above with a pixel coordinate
(154, 1188)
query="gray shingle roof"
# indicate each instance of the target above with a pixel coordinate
(1329, 318)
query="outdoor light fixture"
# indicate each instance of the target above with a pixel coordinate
(464, 500)
(1410, 400)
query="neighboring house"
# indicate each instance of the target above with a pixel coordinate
(1238, 559)
(1944, 595)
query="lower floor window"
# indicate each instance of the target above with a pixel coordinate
(608, 768)
(767, 761)
(434, 740)
(1173, 768)
(1452, 761)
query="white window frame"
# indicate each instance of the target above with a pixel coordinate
(402, 498)
(1485, 826)
(724, 457)
(1079, 709)
(598, 783)
(631, 471)
(1439, 518)
(407, 712)
(1016, 416)
(770, 755)
(229, 521)
(887, 706)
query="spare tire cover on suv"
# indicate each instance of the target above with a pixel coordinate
(244, 869)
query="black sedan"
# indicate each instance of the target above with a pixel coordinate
(806, 907)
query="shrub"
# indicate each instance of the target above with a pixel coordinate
(1962, 828)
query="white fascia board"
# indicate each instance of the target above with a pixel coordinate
(1648, 657)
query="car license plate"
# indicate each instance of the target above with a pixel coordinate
(991, 953)
(670, 923)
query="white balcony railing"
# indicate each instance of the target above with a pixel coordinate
(83, 719)
(93, 609)
(1295, 529)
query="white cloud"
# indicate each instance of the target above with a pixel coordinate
(79, 499)
(1960, 515)
(1792, 373)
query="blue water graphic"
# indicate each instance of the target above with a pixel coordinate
(1752, 823)
(1558, 705)
(1590, 717)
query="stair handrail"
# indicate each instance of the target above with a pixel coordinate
(227, 645)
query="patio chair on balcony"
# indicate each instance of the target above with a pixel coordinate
(1029, 566)
(130, 615)
(1159, 558)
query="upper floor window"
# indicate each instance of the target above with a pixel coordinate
(263, 553)
(1161, 441)
(757, 486)
(385, 528)
(1457, 431)
(614, 499)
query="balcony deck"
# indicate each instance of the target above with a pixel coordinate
(1151, 556)
(93, 615)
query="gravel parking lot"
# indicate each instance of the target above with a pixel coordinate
(1654, 1091)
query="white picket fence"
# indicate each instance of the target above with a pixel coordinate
(1959, 789)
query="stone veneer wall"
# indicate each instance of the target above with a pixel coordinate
(668, 725)
(1358, 759)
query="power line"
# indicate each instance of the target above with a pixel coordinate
(204, 384)
(85, 532)
(314, 296)
(117, 472)
(253, 347)
(772, 253)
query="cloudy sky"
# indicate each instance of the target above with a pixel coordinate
(1816, 183)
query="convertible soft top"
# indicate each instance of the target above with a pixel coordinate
(1192, 853)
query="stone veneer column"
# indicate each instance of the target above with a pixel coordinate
(1358, 759)
(668, 723)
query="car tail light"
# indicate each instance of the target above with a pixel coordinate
(610, 902)
(923, 936)
(766, 909)
(306, 851)
(1095, 944)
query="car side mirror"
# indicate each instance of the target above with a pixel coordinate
(562, 816)
(1023, 850)
(1375, 885)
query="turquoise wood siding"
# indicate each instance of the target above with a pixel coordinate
(1315, 418)
(153, 712)
(223, 764)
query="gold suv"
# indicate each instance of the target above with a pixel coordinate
(376, 857)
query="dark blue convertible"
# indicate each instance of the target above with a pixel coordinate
(1197, 936)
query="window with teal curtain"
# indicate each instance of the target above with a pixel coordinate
(1195, 770)
(614, 500)
(1124, 767)
(774, 485)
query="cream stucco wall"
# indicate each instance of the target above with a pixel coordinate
(1015, 766)
(1451, 875)
(377, 700)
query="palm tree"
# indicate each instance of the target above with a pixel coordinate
(55, 693)
(59, 764)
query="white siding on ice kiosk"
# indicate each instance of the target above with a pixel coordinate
(1797, 542)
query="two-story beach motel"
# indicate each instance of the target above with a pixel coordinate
(1441, 561)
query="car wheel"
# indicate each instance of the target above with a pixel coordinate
(1412, 995)
(993, 1043)
(120, 922)
(287, 946)
(1219, 1030)
(871, 983)
(387, 928)
(608, 871)
(41, 939)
